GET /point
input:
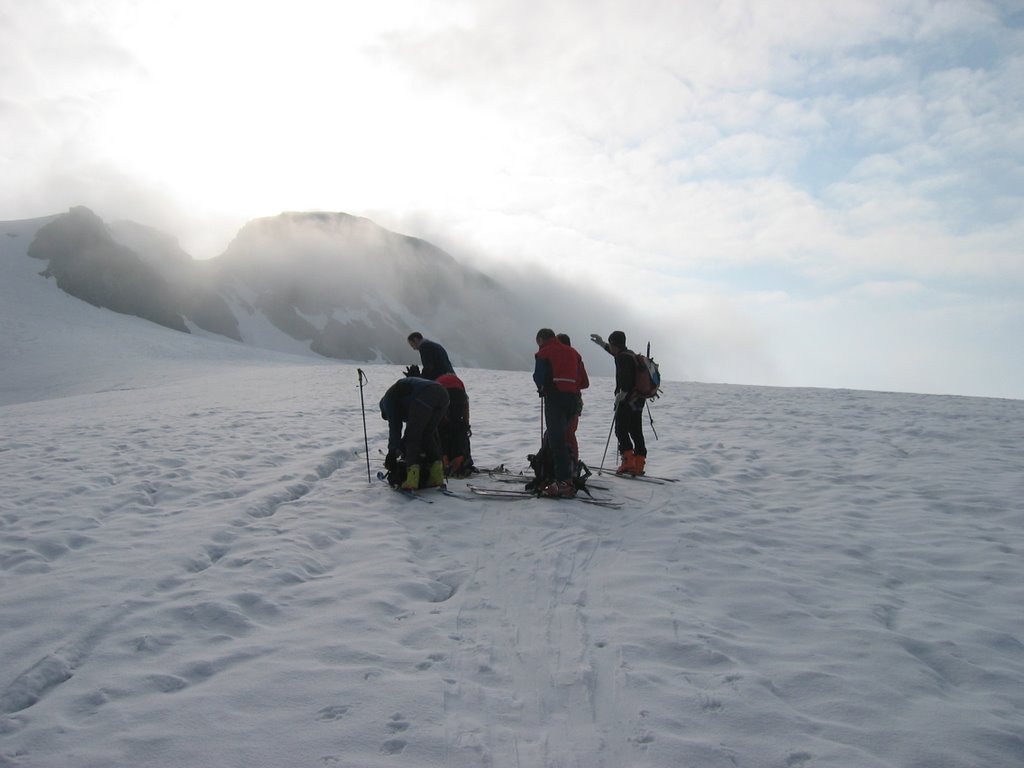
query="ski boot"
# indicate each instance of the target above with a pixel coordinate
(560, 489)
(412, 478)
(436, 477)
(628, 465)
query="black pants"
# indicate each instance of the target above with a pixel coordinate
(559, 410)
(425, 413)
(629, 429)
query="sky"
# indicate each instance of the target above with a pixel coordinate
(804, 193)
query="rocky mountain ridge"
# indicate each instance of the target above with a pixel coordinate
(329, 284)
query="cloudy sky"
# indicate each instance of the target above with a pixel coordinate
(795, 192)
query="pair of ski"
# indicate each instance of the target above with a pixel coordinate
(508, 477)
(415, 495)
(523, 479)
(643, 478)
(496, 493)
(507, 493)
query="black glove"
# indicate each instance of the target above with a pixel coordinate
(412, 370)
(391, 461)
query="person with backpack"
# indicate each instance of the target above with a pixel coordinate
(418, 404)
(560, 377)
(434, 360)
(629, 404)
(454, 429)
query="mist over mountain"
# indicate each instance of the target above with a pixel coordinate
(353, 290)
(87, 263)
(154, 280)
(328, 284)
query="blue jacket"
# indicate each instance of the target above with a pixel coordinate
(434, 359)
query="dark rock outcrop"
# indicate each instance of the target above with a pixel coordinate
(87, 263)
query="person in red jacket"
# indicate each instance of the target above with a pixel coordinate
(560, 376)
(574, 446)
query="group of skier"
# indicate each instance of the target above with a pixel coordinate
(429, 426)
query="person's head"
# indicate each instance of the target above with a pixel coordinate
(544, 335)
(564, 338)
(415, 339)
(617, 339)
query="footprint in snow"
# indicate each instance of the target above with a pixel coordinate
(332, 713)
(398, 723)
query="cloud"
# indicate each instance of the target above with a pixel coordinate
(894, 289)
(826, 145)
(900, 337)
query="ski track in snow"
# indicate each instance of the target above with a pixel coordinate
(224, 587)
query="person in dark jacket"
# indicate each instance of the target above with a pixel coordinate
(434, 360)
(419, 404)
(454, 428)
(559, 375)
(629, 405)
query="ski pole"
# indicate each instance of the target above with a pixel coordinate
(606, 444)
(651, 417)
(362, 407)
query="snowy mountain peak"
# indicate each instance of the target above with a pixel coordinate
(327, 284)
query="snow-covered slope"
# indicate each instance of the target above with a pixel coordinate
(196, 570)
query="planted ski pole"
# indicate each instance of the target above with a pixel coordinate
(650, 416)
(606, 444)
(362, 407)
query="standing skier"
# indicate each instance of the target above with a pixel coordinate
(560, 376)
(574, 422)
(629, 404)
(454, 428)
